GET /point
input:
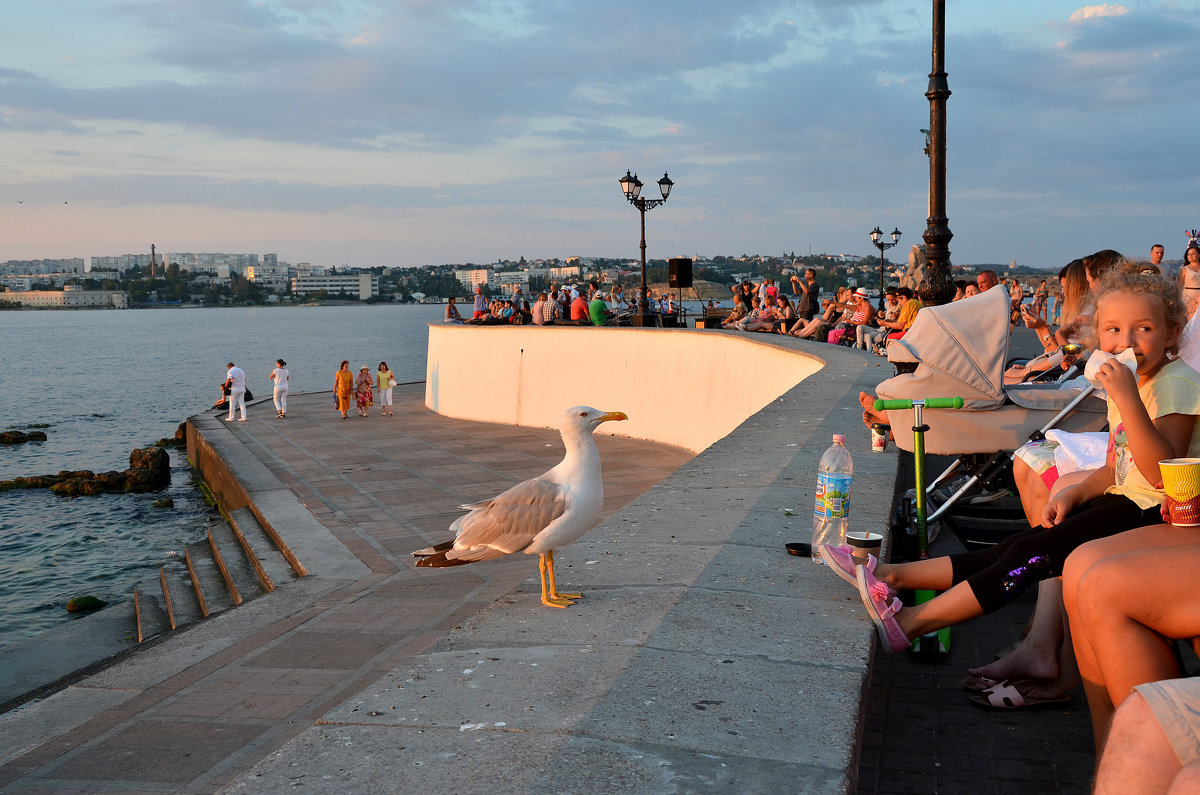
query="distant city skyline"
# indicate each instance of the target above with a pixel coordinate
(383, 134)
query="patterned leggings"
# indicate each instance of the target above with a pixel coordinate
(998, 574)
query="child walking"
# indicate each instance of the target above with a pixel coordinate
(1152, 417)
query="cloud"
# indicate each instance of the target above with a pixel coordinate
(1096, 12)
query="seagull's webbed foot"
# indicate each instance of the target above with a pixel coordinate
(550, 595)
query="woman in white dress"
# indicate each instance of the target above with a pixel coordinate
(280, 376)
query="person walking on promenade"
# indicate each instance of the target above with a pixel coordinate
(363, 398)
(280, 376)
(384, 381)
(343, 385)
(236, 378)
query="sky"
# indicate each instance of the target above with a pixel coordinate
(415, 132)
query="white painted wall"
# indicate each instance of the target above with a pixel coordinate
(682, 387)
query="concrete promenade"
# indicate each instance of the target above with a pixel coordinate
(702, 656)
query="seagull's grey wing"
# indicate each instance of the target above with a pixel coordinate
(509, 522)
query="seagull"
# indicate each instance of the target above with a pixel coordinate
(538, 515)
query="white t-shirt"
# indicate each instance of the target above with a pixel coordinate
(237, 378)
(281, 377)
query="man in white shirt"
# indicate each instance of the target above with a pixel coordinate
(236, 378)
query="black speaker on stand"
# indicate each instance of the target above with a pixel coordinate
(679, 276)
(680, 272)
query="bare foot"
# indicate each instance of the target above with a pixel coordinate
(1029, 661)
(870, 416)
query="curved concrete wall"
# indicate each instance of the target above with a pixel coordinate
(682, 387)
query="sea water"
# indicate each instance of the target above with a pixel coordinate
(107, 381)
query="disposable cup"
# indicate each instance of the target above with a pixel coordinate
(1181, 482)
(863, 544)
(879, 435)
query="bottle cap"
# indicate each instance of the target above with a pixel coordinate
(839, 438)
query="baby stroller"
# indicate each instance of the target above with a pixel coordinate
(961, 349)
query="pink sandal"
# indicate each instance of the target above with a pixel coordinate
(875, 595)
(839, 559)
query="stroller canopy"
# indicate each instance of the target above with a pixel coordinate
(960, 349)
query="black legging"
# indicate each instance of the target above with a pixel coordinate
(998, 574)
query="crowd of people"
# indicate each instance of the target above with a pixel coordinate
(1114, 594)
(562, 304)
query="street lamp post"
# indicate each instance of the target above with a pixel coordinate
(937, 287)
(883, 246)
(631, 186)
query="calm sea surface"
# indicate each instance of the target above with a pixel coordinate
(106, 382)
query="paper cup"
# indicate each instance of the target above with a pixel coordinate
(1181, 482)
(863, 544)
(879, 435)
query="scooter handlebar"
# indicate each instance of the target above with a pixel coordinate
(929, 403)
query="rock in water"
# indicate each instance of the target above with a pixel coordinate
(82, 604)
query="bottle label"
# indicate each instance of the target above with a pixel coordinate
(833, 495)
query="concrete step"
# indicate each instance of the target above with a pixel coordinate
(212, 593)
(240, 576)
(184, 607)
(149, 609)
(272, 567)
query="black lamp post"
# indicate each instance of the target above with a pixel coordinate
(937, 287)
(883, 246)
(631, 186)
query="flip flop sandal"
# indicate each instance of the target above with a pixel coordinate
(979, 684)
(1006, 696)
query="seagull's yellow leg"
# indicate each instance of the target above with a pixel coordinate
(549, 598)
(554, 594)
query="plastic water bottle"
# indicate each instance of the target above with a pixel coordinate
(831, 512)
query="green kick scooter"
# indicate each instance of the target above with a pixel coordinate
(934, 646)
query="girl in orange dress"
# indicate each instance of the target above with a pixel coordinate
(343, 385)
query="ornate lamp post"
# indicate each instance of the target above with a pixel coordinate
(937, 287)
(883, 246)
(631, 186)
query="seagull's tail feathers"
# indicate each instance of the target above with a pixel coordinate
(433, 550)
(459, 557)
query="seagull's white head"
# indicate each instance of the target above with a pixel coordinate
(585, 419)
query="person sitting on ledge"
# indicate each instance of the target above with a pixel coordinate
(452, 315)
(598, 310)
(579, 309)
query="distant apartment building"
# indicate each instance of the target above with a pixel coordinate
(211, 262)
(308, 269)
(470, 278)
(271, 276)
(38, 267)
(364, 285)
(563, 272)
(510, 281)
(120, 262)
(69, 297)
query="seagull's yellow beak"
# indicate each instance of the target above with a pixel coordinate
(612, 415)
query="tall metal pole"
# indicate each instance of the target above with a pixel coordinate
(643, 302)
(881, 267)
(937, 287)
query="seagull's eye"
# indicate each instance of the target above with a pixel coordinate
(583, 414)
